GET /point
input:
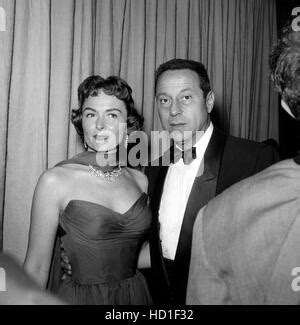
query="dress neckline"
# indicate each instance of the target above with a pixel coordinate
(143, 195)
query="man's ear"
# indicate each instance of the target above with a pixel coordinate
(210, 100)
(286, 108)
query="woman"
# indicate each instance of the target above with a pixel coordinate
(102, 210)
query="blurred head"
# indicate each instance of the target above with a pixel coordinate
(106, 108)
(184, 98)
(285, 70)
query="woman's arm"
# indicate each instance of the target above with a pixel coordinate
(44, 221)
(144, 257)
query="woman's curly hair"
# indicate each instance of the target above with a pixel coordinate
(114, 86)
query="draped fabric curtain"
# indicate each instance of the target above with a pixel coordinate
(49, 46)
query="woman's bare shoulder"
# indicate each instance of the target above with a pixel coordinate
(140, 178)
(57, 178)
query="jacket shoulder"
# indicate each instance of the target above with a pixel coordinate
(243, 158)
(245, 144)
(247, 150)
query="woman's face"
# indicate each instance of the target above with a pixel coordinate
(103, 121)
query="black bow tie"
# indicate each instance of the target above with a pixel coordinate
(186, 155)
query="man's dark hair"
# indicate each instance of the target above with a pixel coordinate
(180, 64)
(113, 86)
(285, 68)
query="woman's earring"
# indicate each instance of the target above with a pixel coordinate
(126, 141)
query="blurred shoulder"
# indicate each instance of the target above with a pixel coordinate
(270, 198)
(274, 184)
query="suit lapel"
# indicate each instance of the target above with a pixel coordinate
(203, 190)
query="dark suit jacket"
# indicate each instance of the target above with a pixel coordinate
(227, 160)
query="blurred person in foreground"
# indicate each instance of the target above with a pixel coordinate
(17, 288)
(246, 241)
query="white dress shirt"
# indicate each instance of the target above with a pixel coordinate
(177, 187)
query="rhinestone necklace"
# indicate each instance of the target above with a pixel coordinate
(109, 176)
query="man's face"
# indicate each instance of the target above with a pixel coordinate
(181, 103)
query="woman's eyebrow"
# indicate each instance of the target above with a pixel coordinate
(89, 108)
(107, 110)
(113, 109)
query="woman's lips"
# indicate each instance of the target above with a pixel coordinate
(100, 138)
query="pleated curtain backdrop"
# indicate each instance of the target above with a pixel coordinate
(50, 46)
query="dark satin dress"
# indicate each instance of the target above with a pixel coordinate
(103, 247)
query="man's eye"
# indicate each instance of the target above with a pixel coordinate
(186, 98)
(163, 100)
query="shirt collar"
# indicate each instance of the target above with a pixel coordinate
(203, 141)
(200, 145)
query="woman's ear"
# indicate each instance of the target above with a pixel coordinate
(210, 100)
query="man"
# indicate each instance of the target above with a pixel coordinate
(246, 241)
(184, 100)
